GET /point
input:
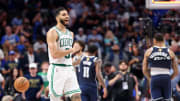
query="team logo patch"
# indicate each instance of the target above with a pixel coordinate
(159, 49)
(87, 58)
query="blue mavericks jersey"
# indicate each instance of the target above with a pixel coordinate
(159, 58)
(87, 73)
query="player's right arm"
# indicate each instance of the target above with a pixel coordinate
(99, 76)
(52, 38)
(174, 64)
(146, 71)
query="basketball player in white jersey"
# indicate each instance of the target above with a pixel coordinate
(61, 74)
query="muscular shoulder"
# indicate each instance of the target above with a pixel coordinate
(71, 33)
(148, 51)
(51, 32)
(171, 53)
(97, 60)
(52, 35)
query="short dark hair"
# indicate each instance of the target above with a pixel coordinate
(92, 49)
(59, 10)
(81, 43)
(159, 37)
(108, 64)
(123, 61)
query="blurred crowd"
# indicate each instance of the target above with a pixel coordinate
(122, 30)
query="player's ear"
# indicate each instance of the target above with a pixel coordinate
(81, 48)
(95, 52)
(57, 18)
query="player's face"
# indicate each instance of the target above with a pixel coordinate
(63, 17)
(123, 66)
(77, 46)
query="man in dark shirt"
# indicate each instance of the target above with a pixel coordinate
(10, 64)
(124, 84)
(109, 70)
(36, 84)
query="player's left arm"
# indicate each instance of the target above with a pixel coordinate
(174, 64)
(145, 64)
(98, 63)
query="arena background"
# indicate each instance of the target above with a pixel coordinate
(122, 29)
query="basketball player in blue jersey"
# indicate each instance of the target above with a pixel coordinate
(159, 59)
(61, 74)
(90, 69)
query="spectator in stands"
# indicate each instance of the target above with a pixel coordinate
(26, 29)
(112, 23)
(109, 71)
(40, 46)
(81, 35)
(115, 55)
(72, 15)
(110, 40)
(9, 84)
(10, 37)
(92, 19)
(40, 49)
(6, 47)
(125, 83)
(36, 84)
(20, 45)
(43, 74)
(37, 29)
(28, 58)
(97, 39)
(10, 64)
(17, 20)
(136, 62)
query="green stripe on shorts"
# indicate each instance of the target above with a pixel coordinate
(62, 65)
(73, 91)
(52, 76)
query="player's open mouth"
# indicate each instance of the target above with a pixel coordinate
(66, 20)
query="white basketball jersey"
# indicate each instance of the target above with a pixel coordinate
(64, 42)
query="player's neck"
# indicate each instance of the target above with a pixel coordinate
(61, 27)
(89, 54)
(159, 44)
(79, 54)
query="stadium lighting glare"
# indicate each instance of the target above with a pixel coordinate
(157, 4)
